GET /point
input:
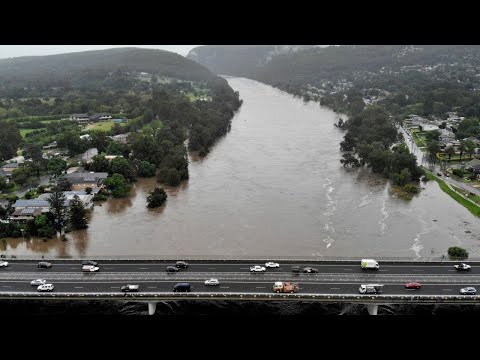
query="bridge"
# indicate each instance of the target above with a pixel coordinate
(336, 281)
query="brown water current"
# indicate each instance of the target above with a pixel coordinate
(273, 186)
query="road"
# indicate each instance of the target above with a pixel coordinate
(333, 277)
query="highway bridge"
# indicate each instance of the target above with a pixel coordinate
(336, 281)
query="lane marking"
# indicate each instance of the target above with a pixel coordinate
(212, 268)
(382, 270)
(334, 288)
(224, 287)
(142, 268)
(152, 287)
(348, 269)
(447, 289)
(260, 287)
(78, 287)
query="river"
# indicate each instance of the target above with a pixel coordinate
(273, 186)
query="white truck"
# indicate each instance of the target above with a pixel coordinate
(370, 289)
(369, 264)
(129, 288)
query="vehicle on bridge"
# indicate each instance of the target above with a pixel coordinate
(272, 264)
(371, 289)
(413, 285)
(89, 262)
(3, 263)
(45, 287)
(171, 269)
(257, 268)
(369, 264)
(468, 291)
(90, 268)
(38, 282)
(212, 282)
(183, 287)
(296, 269)
(181, 264)
(44, 265)
(285, 287)
(462, 267)
(130, 288)
(310, 270)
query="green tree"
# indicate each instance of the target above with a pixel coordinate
(433, 135)
(117, 185)
(117, 148)
(449, 151)
(461, 149)
(470, 147)
(170, 176)
(120, 165)
(77, 215)
(156, 198)
(456, 251)
(3, 183)
(99, 164)
(10, 139)
(56, 166)
(146, 169)
(21, 175)
(57, 207)
(433, 148)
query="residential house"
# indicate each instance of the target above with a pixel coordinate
(22, 215)
(100, 117)
(80, 181)
(18, 159)
(85, 198)
(428, 127)
(80, 118)
(75, 169)
(122, 138)
(52, 145)
(9, 168)
(29, 209)
(89, 154)
(472, 164)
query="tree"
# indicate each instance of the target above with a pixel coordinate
(461, 149)
(56, 166)
(146, 169)
(88, 190)
(117, 185)
(432, 135)
(170, 176)
(33, 151)
(433, 148)
(402, 178)
(120, 165)
(57, 207)
(77, 215)
(117, 148)
(456, 251)
(64, 184)
(3, 183)
(10, 139)
(99, 164)
(156, 198)
(449, 151)
(470, 147)
(349, 160)
(21, 175)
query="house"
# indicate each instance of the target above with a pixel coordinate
(80, 181)
(122, 138)
(9, 168)
(75, 169)
(85, 137)
(29, 209)
(100, 117)
(89, 154)
(3, 173)
(52, 145)
(80, 118)
(428, 127)
(111, 157)
(472, 164)
(25, 214)
(86, 199)
(18, 159)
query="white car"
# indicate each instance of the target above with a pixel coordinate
(45, 287)
(38, 282)
(272, 264)
(90, 268)
(3, 263)
(212, 282)
(257, 268)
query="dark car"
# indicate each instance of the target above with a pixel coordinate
(44, 265)
(309, 270)
(184, 287)
(89, 262)
(171, 269)
(296, 269)
(181, 264)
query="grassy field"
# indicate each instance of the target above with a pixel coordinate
(474, 209)
(24, 132)
(102, 126)
(465, 193)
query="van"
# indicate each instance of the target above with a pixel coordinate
(370, 289)
(369, 264)
(44, 265)
(185, 287)
(296, 269)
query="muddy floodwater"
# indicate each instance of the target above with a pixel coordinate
(273, 186)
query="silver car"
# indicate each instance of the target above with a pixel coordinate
(38, 282)
(468, 291)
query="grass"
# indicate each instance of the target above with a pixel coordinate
(102, 126)
(24, 132)
(474, 209)
(465, 193)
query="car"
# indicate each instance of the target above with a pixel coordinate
(89, 262)
(296, 269)
(38, 282)
(413, 285)
(212, 282)
(439, 174)
(171, 269)
(129, 288)
(468, 291)
(271, 264)
(90, 268)
(44, 265)
(309, 270)
(257, 268)
(462, 267)
(183, 287)
(181, 264)
(45, 287)
(3, 263)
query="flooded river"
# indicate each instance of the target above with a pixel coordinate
(273, 186)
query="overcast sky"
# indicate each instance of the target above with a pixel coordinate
(8, 51)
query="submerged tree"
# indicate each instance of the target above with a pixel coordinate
(57, 207)
(77, 215)
(156, 198)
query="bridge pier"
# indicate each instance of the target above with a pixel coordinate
(372, 309)
(152, 306)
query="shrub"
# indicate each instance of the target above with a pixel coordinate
(100, 197)
(456, 251)
(457, 172)
(411, 188)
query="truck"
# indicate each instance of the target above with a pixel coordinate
(285, 287)
(129, 288)
(370, 289)
(369, 264)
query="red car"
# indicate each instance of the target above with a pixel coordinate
(413, 285)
